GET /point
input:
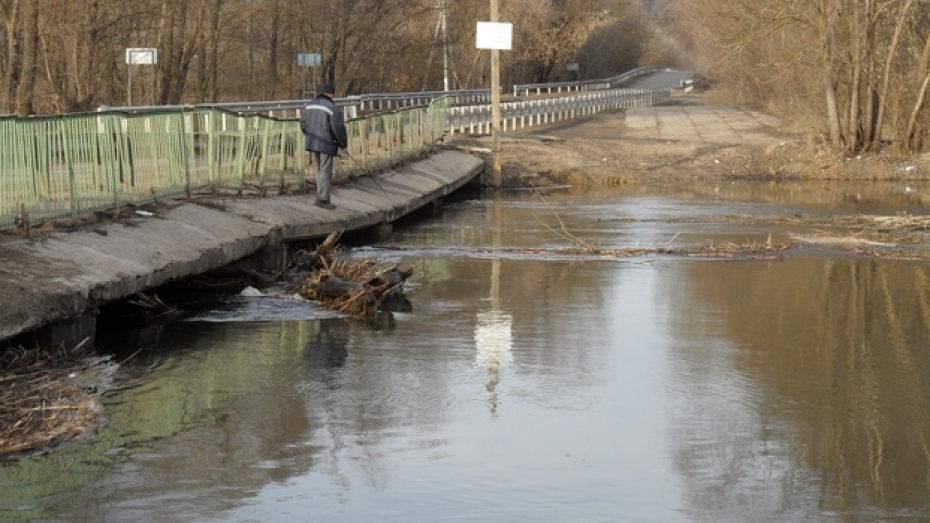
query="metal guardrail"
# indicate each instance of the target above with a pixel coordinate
(584, 85)
(353, 106)
(63, 166)
(515, 115)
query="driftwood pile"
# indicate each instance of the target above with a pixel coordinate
(47, 398)
(356, 287)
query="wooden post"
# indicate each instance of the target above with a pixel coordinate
(496, 102)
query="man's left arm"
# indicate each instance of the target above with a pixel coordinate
(339, 130)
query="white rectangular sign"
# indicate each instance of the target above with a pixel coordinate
(141, 55)
(309, 60)
(495, 35)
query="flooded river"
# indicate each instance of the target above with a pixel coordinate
(527, 387)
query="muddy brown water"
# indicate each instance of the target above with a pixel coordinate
(535, 388)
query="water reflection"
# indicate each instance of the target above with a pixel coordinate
(328, 348)
(493, 336)
(835, 413)
(649, 389)
(494, 340)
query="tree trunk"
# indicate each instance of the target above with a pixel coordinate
(886, 74)
(9, 75)
(270, 84)
(911, 140)
(853, 129)
(213, 68)
(827, 15)
(30, 49)
(870, 114)
(922, 76)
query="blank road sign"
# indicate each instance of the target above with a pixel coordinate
(309, 60)
(141, 56)
(495, 35)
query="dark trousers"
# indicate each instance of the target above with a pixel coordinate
(324, 175)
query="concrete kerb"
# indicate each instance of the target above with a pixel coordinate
(60, 275)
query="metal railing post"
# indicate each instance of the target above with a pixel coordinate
(185, 157)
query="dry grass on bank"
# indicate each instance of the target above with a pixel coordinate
(49, 397)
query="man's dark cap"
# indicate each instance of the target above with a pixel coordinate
(327, 89)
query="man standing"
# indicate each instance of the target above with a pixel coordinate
(325, 131)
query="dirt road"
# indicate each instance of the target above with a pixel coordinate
(683, 138)
(687, 138)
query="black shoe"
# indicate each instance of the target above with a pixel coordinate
(324, 204)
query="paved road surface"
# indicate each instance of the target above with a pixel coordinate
(669, 79)
(687, 121)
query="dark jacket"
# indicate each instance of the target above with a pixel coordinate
(323, 126)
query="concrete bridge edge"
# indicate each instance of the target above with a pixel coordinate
(53, 285)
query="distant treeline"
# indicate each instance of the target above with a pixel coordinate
(860, 68)
(60, 56)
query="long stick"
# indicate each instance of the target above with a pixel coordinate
(359, 164)
(368, 172)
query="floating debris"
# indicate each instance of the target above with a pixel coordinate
(356, 287)
(153, 307)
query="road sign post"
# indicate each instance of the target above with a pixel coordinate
(140, 56)
(312, 60)
(495, 36)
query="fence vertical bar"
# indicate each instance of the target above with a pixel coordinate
(212, 152)
(263, 153)
(363, 125)
(109, 138)
(389, 132)
(66, 142)
(185, 157)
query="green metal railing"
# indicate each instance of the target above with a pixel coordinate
(63, 166)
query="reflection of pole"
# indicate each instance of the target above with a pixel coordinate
(493, 333)
(496, 101)
(496, 242)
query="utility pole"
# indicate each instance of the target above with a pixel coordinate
(496, 101)
(445, 46)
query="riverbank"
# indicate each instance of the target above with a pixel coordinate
(703, 150)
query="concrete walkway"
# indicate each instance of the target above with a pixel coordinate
(57, 276)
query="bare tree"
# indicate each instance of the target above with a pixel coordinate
(63, 56)
(30, 44)
(856, 58)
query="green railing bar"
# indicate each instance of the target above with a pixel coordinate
(60, 166)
